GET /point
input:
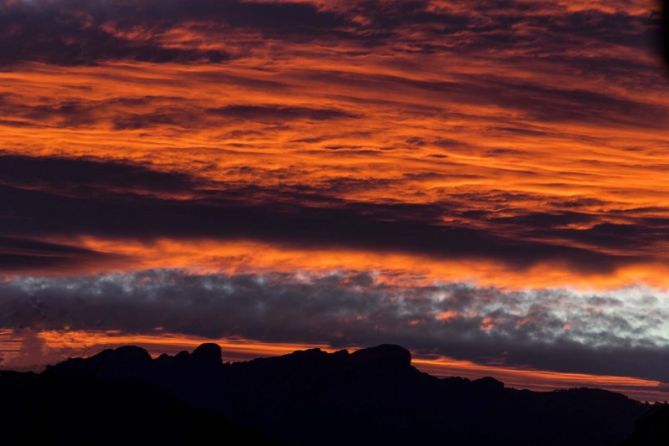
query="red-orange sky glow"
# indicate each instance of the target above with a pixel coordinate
(485, 183)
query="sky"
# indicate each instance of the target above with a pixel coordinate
(484, 182)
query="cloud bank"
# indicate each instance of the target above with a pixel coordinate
(618, 333)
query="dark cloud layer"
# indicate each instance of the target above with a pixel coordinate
(80, 32)
(62, 33)
(127, 201)
(151, 112)
(71, 32)
(18, 255)
(87, 176)
(620, 334)
(279, 113)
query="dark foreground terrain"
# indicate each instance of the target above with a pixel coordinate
(373, 396)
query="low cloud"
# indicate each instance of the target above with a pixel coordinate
(622, 332)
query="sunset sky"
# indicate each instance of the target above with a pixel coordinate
(485, 182)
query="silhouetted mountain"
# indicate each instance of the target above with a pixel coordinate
(83, 410)
(372, 396)
(652, 429)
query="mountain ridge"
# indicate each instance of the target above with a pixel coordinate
(369, 396)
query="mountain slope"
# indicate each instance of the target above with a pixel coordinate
(372, 396)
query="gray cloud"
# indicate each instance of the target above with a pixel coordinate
(622, 332)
